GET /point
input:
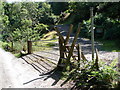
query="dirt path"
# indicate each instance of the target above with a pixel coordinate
(16, 73)
(86, 46)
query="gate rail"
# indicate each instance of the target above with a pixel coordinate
(30, 44)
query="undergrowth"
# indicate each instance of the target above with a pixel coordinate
(18, 46)
(109, 45)
(88, 77)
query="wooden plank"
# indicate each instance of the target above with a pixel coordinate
(92, 31)
(69, 45)
(96, 54)
(79, 50)
(72, 46)
(79, 55)
(68, 35)
(43, 40)
(61, 46)
(66, 51)
(96, 60)
(61, 51)
(59, 34)
(64, 58)
(74, 55)
(83, 57)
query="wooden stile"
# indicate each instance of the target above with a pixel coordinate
(72, 46)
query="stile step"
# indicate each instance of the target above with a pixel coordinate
(69, 45)
(64, 58)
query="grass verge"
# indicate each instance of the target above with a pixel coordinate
(109, 45)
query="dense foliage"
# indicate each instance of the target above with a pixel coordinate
(59, 7)
(87, 77)
(24, 21)
(107, 17)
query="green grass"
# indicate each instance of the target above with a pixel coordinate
(17, 55)
(41, 46)
(109, 45)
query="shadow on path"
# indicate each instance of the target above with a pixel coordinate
(54, 74)
(44, 65)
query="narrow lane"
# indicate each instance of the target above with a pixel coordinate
(6, 72)
(16, 73)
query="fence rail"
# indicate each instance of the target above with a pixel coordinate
(40, 43)
(43, 40)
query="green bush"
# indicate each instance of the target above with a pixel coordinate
(89, 78)
(1, 44)
(112, 29)
(41, 28)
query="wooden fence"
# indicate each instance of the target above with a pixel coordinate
(31, 44)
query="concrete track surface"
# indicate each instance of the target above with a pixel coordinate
(16, 73)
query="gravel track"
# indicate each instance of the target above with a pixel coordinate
(86, 46)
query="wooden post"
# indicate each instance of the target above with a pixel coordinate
(83, 57)
(72, 46)
(61, 46)
(29, 44)
(79, 50)
(79, 54)
(61, 50)
(59, 34)
(68, 35)
(118, 62)
(96, 61)
(12, 45)
(92, 31)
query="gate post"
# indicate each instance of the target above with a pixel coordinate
(92, 31)
(79, 54)
(61, 50)
(29, 47)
